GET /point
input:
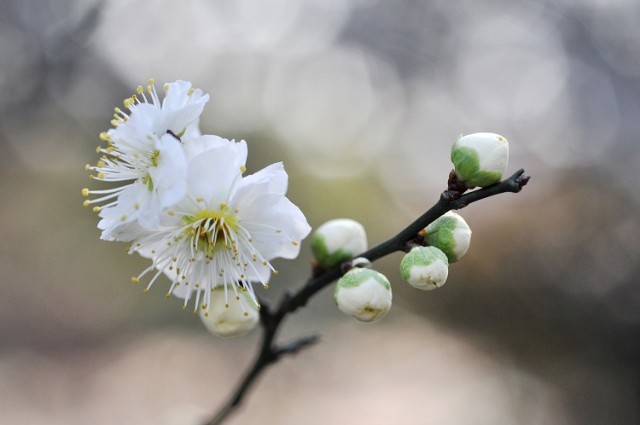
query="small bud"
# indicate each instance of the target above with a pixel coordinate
(425, 268)
(449, 233)
(360, 262)
(480, 159)
(230, 316)
(363, 294)
(337, 241)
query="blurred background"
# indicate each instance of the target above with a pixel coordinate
(362, 99)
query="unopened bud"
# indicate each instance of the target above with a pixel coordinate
(363, 294)
(338, 240)
(425, 268)
(480, 159)
(449, 233)
(230, 315)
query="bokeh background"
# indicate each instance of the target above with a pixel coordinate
(539, 324)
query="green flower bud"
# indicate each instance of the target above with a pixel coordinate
(337, 241)
(363, 294)
(230, 315)
(480, 159)
(425, 268)
(449, 233)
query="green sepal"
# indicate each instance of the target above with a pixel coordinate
(322, 256)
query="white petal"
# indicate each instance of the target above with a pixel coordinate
(140, 124)
(276, 225)
(132, 201)
(272, 179)
(212, 173)
(200, 144)
(179, 108)
(170, 175)
(178, 120)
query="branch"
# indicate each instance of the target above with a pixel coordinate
(451, 199)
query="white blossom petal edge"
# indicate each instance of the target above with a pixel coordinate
(226, 230)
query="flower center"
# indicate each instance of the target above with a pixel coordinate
(146, 179)
(210, 231)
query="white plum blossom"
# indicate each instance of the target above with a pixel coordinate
(226, 230)
(146, 157)
(181, 199)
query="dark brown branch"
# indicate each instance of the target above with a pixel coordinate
(270, 352)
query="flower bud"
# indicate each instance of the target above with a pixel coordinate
(363, 294)
(337, 241)
(425, 268)
(480, 159)
(449, 233)
(230, 315)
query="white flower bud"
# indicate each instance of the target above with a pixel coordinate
(425, 268)
(230, 315)
(363, 294)
(449, 233)
(480, 159)
(337, 241)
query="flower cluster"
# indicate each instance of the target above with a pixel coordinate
(182, 199)
(479, 159)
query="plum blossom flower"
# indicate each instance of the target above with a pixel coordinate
(226, 229)
(145, 154)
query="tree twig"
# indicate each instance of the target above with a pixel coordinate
(270, 320)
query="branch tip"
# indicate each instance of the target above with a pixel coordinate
(522, 181)
(297, 345)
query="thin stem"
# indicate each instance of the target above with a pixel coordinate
(270, 352)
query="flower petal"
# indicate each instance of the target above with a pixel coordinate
(170, 175)
(116, 219)
(272, 179)
(213, 173)
(276, 225)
